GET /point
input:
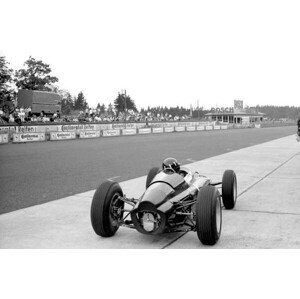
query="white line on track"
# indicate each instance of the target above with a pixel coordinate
(113, 178)
(190, 160)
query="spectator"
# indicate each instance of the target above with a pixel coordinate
(22, 114)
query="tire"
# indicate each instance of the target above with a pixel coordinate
(208, 215)
(229, 189)
(105, 198)
(151, 174)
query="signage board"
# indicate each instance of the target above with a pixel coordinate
(62, 135)
(191, 128)
(26, 129)
(128, 131)
(7, 129)
(89, 134)
(169, 129)
(79, 127)
(179, 129)
(109, 133)
(28, 137)
(157, 130)
(144, 131)
(3, 138)
(222, 109)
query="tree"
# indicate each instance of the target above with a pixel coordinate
(67, 102)
(102, 109)
(80, 102)
(110, 109)
(124, 102)
(35, 76)
(6, 79)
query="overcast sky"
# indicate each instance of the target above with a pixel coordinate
(162, 52)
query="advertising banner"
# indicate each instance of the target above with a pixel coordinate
(62, 135)
(179, 129)
(107, 133)
(71, 128)
(89, 134)
(26, 129)
(47, 129)
(140, 125)
(224, 127)
(118, 126)
(157, 125)
(200, 128)
(7, 129)
(157, 130)
(91, 127)
(3, 138)
(173, 124)
(128, 131)
(190, 128)
(42, 129)
(128, 125)
(106, 126)
(28, 137)
(217, 127)
(144, 131)
(56, 128)
(79, 127)
(169, 129)
(208, 127)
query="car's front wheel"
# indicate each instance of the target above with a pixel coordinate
(107, 209)
(229, 189)
(208, 215)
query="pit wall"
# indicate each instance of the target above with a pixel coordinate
(50, 132)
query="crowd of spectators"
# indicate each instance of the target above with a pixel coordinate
(25, 116)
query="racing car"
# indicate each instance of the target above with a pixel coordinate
(175, 200)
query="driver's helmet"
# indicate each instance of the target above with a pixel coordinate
(171, 164)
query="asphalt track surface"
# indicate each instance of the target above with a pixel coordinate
(36, 173)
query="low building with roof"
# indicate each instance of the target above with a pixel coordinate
(235, 115)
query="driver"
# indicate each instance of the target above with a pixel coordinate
(171, 165)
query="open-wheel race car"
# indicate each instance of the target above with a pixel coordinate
(175, 200)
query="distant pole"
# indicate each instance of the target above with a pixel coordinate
(198, 109)
(125, 107)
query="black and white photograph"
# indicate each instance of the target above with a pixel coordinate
(156, 131)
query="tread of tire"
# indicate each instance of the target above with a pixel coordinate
(97, 208)
(204, 209)
(227, 181)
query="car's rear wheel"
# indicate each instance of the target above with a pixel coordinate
(107, 209)
(208, 215)
(151, 174)
(229, 189)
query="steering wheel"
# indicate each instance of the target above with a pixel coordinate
(169, 170)
(183, 173)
